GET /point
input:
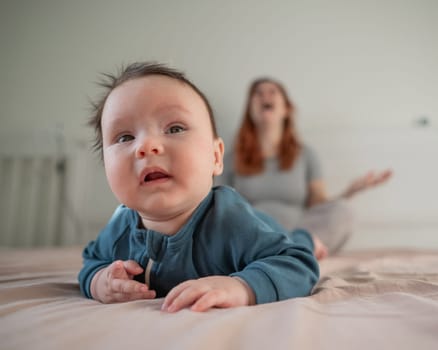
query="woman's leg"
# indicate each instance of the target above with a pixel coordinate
(332, 222)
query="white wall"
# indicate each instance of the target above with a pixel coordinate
(355, 69)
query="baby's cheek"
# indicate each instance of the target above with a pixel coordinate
(117, 178)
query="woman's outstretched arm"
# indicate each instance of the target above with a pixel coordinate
(318, 194)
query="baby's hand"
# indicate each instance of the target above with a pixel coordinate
(115, 283)
(207, 292)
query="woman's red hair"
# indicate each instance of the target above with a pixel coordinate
(248, 158)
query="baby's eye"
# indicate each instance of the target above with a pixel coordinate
(124, 138)
(174, 129)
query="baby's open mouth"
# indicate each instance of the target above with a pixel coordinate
(156, 175)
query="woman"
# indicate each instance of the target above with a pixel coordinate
(282, 177)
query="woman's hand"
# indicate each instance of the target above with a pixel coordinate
(207, 292)
(367, 181)
(115, 283)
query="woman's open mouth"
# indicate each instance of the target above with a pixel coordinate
(267, 106)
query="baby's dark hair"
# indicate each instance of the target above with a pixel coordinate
(134, 71)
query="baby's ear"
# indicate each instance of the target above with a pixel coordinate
(219, 148)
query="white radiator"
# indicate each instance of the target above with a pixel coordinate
(32, 190)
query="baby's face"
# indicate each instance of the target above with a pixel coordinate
(267, 104)
(158, 147)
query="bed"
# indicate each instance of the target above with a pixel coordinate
(370, 299)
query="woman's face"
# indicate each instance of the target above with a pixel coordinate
(268, 105)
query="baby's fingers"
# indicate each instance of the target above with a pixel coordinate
(122, 297)
(127, 286)
(117, 270)
(181, 296)
(132, 267)
(130, 288)
(213, 298)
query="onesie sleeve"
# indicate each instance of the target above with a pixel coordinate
(274, 265)
(303, 237)
(300, 236)
(278, 268)
(99, 253)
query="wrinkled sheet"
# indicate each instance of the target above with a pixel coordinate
(379, 299)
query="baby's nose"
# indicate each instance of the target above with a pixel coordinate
(149, 146)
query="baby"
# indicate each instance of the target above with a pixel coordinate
(175, 236)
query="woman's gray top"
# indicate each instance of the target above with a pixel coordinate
(280, 193)
(283, 194)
